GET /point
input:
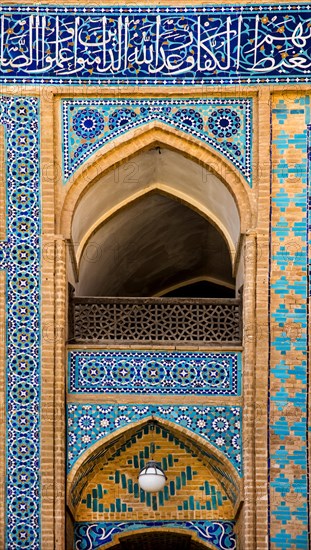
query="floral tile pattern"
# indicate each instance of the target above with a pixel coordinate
(20, 257)
(218, 533)
(156, 372)
(220, 426)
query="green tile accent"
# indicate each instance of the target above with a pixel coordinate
(88, 501)
(123, 481)
(136, 491)
(95, 502)
(100, 491)
(101, 508)
(189, 473)
(130, 486)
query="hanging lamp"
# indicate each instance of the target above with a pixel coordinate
(151, 477)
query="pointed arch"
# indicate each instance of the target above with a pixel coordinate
(154, 134)
(196, 542)
(104, 448)
(166, 191)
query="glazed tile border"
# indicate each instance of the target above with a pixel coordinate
(154, 372)
(20, 257)
(220, 426)
(288, 482)
(224, 124)
(218, 533)
(155, 45)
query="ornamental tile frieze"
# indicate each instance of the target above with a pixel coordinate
(224, 124)
(153, 45)
(96, 535)
(154, 372)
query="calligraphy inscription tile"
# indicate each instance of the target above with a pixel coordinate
(225, 124)
(155, 45)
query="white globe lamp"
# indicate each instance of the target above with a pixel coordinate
(151, 477)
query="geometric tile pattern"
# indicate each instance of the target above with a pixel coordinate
(154, 372)
(156, 45)
(220, 534)
(225, 124)
(114, 489)
(20, 257)
(288, 393)
(220, 426)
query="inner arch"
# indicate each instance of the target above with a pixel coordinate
(157, 539)
(151, 224)
(157, 165)
(155, 243)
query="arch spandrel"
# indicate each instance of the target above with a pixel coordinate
(223, 123)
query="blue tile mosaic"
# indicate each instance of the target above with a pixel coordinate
(218, 533)
(225, 124)
(289, 517)
(20, 257)
(154, 372)
(154, 45)
(220, 426)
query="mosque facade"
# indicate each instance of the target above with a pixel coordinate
(155, 274)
